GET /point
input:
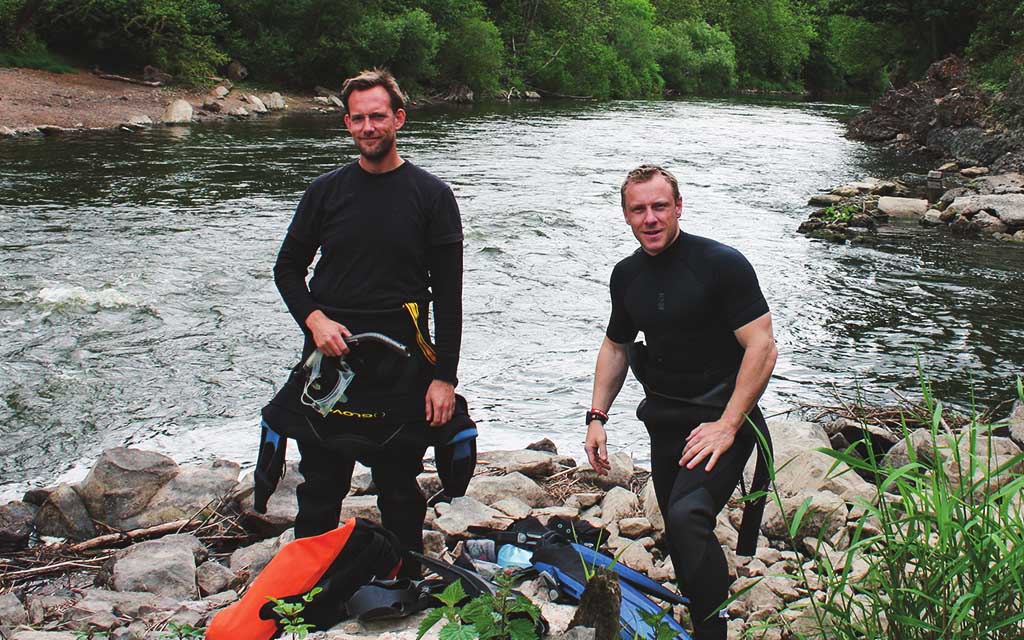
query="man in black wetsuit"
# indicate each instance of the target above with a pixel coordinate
(708, 356)
(390, 242)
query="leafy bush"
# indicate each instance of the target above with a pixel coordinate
(504, 616)
(943, 542)
(696, 58)
(859, 49)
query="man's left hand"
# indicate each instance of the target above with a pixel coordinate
(440, 402)
(708, 440)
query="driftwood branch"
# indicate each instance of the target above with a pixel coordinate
(55, 568)
(111, 76)
(130, 536)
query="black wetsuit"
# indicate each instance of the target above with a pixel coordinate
(688, 300)
(385, 240)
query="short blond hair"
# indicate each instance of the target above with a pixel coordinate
(645, 173)
(371, 78)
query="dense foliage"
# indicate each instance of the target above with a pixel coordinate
(600, 48)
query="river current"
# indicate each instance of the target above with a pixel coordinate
(137, 305)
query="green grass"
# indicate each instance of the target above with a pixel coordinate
(943, 540)
(34, 58)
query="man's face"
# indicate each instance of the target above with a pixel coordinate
(653, 213)
(372, 123)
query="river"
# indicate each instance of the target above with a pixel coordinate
(137, 305)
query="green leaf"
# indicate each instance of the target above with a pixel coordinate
(794, 526)
(453, 594)
(456, 631)
(522, 629)
(433, 617)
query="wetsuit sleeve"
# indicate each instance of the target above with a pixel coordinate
(621, 328)
(445, 264)
(738, 292)
(293, 260)
(445, 220)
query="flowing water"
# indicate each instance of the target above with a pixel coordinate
(137, 305)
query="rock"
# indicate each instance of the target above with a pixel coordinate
(544, 444)
(12, 611)
(139, 121)
(932, 218)
(177, 112)
(275, 102)
(811, 469)
(531, 95)
(220, 92)
(759, 597)
(433, 543)
(635, 556)
(281, 508)
(619, 503)
(490, 489)
(8, 132)
(360, 507)
(213, 577)
(192, 491)
(892, 206)
(257, 104)
(513, 507)
(983, 222)
(999, 184)
(322, 100)
(1009, 207)
(253, 558)
(1015, 423)
(663, 571)
(650, 507)
(824, 200)
(91, 615)
(948, 167)
(635, 527)
(466, 512)
(211, 106)
(321, 91)
(532, 464)
(239, 112)
(236, 71)
(152, 74)
(165, 567)
(620, 475)
(459, 94)
(335, 101)
(64, 515)
(546, 513)
(122, 482)
(16, 522)
(974, 172)
(823, 518)
(559, 616)
(1019, 236)
(845, 191)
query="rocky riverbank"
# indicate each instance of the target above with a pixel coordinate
(145, 548)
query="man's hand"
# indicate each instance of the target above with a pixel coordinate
(596, 446)
(440, 402)
(708, 439)
(328, 335)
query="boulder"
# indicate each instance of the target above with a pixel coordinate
(983, 222)
(810, 469)
(650, 505)
(532, 464)
(275, 102)
(139, 121)
(152, 74)
(282, 506)
(490, 489)
(1015, 423)
(1007, 207)
(236, 71)
(130, 604)
(192, 491)
(619, 503)
(16, 521)
(257, 104)
(239, 112)
(213, 577)
(902, 207)
(466, 512)
(89, 615)
(7, 132)
(825, 200)
(220, 91)
(211, 106)
(64, 515)
(324, 100)
(932, 218)
(635, 527)
(360, 507)
(12, 611)
(999, 184)
(620, 475)
(544, 444)
(823, 518)
(335, 101)
(974, 172)
(177, 112)
(122, 482)
(249, 561)
(531, 95)
(165, 567)
(920, 440)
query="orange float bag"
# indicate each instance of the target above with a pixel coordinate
(339, 562)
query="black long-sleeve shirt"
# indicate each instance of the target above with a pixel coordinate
(385, 240)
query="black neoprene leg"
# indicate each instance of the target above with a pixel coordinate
(327, 477)
(690, 500)
(400, 500)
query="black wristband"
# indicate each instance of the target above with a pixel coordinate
(600, 416)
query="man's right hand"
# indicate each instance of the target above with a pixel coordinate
(596, 448)
(328, 335)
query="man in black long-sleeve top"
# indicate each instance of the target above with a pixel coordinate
(390, 239)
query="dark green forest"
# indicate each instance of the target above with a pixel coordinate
(598, 48)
